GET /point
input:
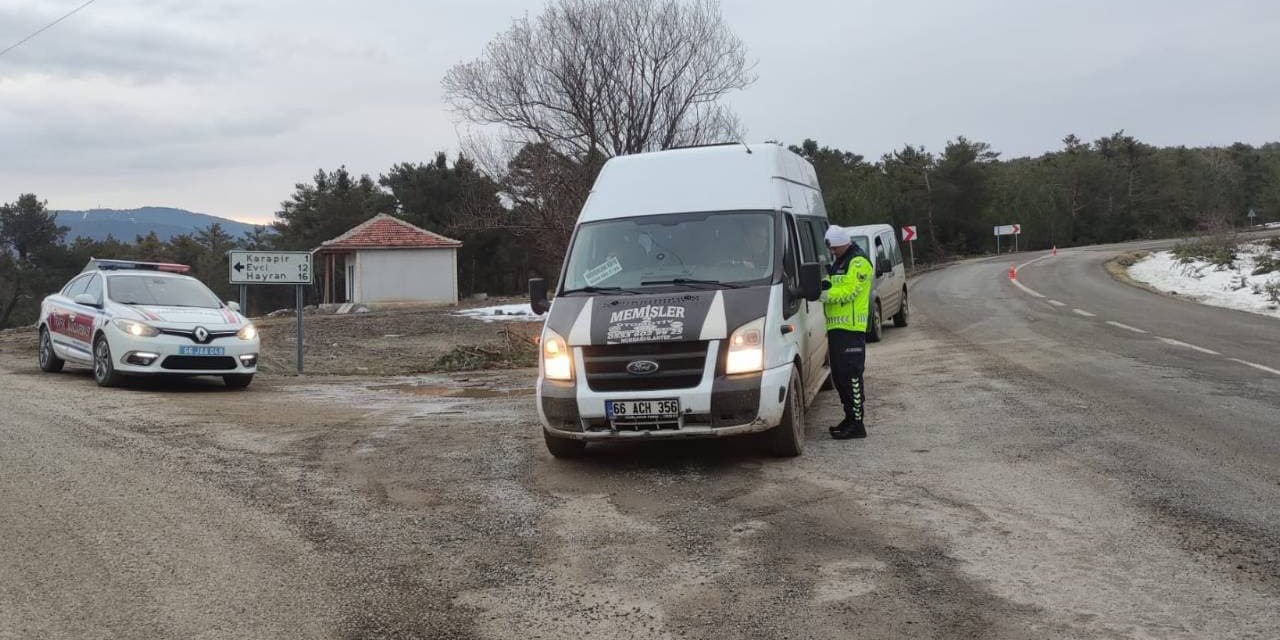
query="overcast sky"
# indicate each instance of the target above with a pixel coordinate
(221, 106)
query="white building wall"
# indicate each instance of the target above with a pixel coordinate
(407, 275)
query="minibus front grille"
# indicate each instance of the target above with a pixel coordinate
(679, 366)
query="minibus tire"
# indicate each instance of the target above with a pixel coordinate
(875, 328)
(787, 439)
(564, 448)
(904, 312)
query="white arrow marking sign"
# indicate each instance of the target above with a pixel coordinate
(1009, 230)
(909, 233)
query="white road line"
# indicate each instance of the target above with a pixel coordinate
(1057, 304)
(1256, 366)
(1178, 343)
(1028, 289)
(1024, 287)
(1085, 313)
(1125, 326)
(1030, 262)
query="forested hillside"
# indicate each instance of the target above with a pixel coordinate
(517, 223)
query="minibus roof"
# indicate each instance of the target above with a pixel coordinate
(727, 177)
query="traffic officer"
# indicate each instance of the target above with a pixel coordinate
(847, 304)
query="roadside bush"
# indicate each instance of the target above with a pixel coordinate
(1265, 264)
(1129, 259)
(1272, 289)
(516, 352)
(1220, 252)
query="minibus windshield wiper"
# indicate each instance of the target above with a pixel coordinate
(694, 281)
(590, 289)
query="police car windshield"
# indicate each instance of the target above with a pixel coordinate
(730, 248)
(160, 291)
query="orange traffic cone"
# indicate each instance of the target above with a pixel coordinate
(1013, 272)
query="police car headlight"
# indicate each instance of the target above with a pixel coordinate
(557, 359)
(136, 329)
(247, 332)
(746, 349)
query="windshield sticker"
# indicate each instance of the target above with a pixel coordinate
(598, 274)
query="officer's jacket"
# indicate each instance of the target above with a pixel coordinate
(848, 302)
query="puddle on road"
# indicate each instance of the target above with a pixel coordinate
(404, 398)
(440, 391)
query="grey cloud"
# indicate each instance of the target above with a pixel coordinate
(71, 137)
(138, 51)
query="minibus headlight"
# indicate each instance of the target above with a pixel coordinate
(746, 349)
(136, 329)
(557, 360)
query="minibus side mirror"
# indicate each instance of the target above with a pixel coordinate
(538, 295)
(811, 281)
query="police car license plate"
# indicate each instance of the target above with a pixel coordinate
(642, 410)
(201, 351)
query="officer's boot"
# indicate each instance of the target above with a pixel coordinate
(844, 424)
(852, 429)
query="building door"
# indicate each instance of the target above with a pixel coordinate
(351, 281)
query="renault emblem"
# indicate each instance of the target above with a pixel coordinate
(642, 367)
(202, 334)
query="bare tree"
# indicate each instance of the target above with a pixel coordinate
(608, 77)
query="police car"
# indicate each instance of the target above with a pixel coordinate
(126, 318)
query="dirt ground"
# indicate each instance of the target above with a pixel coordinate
(425, 506)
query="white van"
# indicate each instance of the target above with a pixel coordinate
(688, 302)
(889, 291)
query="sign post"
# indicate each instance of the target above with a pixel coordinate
(909, 237)
(272, 267)
(1252, 214)
(300, 328)
(1014, 230)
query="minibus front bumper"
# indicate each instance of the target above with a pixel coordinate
(720, 406)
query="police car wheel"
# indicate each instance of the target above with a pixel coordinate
(876, 330)
(104, 371)
(787, 439)
(49, 360)
(564, 448)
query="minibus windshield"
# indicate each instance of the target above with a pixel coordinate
(677, 250)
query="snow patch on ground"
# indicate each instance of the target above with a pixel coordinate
(503, 312)
(1233, 288)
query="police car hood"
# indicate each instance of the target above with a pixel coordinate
(183, 317)
(683, 316)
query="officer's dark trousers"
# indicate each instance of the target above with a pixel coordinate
(848, 352)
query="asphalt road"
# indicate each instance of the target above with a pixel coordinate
(1177, 402)
(1031, 472)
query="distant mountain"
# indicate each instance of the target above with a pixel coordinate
(126, 224)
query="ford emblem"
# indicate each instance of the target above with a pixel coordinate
(642, 367)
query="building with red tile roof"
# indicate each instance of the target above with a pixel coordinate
(386, 259)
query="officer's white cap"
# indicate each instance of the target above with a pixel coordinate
(838, 236)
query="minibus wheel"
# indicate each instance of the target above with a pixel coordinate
(564, 448)
(787, 439)
(876, 330)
